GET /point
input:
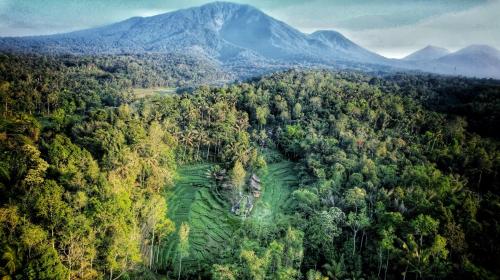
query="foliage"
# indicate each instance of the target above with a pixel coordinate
(366, 177)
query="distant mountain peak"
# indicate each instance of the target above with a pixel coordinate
(428, 53)
(332, 38)
(479, 49)
(242, 37)
(474, 61)
(224, 31)
(226, 9)
(434, 47)
(339, 43)
(225, 4)
(332, 33)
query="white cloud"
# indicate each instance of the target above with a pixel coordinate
(479, 25)
(149, 12)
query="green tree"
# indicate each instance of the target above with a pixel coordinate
(355, 197)
(424, 225)
(315, 275)
(336, 269)
(357, 222)
(256, 267)
(47, 265)
(261, 114)
(324, 228)
(183, 245)
(293, 250)
(238, 175)
(426, 261)
(224, 272)
(297, 111)
(11, 259)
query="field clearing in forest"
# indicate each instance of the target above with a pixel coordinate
(145, 92)
(212, 226)
(277, 184)
(211, 223)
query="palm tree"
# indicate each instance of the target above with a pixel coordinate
(12, 263)
(336, 269)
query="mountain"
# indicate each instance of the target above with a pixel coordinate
(223, 31)
(343, 48)
(475, 60)
(427, 54)
(480, 61)
(245, 41)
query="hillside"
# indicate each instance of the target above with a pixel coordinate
(428, 53)
(479, 61)
(246, 42)
(233, 34)
(474, 61)
(220, 30)
(359, 175)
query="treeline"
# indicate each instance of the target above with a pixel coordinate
(40, 85)
(476, 99)
(391, 187)
(398, 190)
(83, 178)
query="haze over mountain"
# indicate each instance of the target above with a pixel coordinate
(479, 61)
(243, 37)
(220, 30)
(428, 53)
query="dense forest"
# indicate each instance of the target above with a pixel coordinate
(379, 176)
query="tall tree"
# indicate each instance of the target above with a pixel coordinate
(183, 245)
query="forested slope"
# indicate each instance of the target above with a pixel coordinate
(377, 177)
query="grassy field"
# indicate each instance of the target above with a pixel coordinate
(211, 223)
(278, 183)
(144, 92)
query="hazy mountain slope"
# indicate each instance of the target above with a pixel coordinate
(343, 48)
(246, 41)
(220, 30)
(474, 61)
(427, 54)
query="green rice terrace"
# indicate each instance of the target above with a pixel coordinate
(144, 92)
(208, 216)
(212, 225)
(278, 184)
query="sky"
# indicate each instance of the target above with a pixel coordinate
(393, 28)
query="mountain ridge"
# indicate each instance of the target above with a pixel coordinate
(474, 60)
(428, 53)
(215, 28)
(240, 36)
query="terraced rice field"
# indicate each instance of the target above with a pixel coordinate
(211, 223)
(277, 185)
(144, 92)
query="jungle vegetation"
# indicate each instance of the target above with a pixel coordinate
(362, 176)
